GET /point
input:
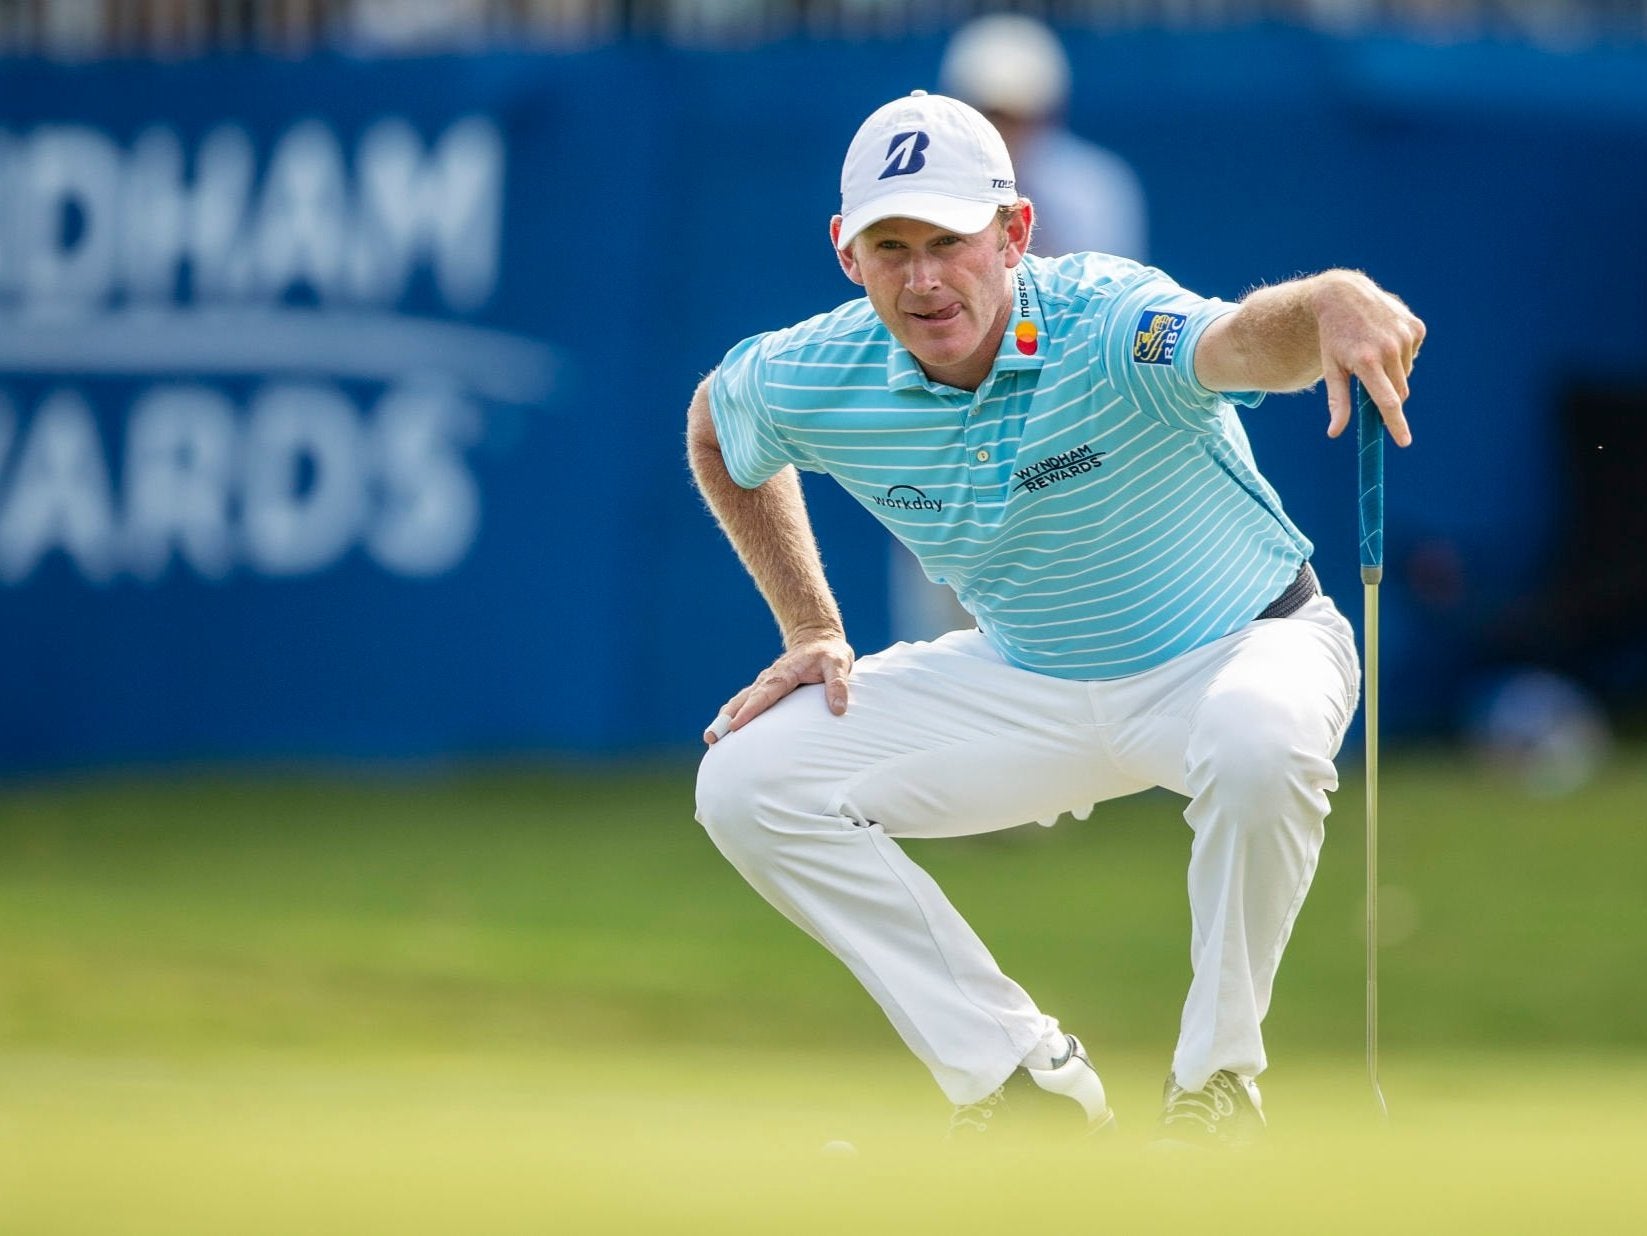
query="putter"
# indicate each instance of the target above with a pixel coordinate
(1370, 460)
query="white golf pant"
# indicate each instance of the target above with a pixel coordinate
(945, 739)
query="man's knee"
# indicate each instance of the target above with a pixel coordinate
(1258, 752)
(726, 794)
(747, 802)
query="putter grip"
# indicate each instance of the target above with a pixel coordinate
(1369, 434)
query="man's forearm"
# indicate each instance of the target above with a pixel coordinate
(1273, 341)
(770, 531)
(1339, 325)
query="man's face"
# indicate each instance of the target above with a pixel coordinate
(944, 296)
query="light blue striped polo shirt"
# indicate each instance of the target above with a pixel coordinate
(1094, 507)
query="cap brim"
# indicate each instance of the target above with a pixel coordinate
(962, 215)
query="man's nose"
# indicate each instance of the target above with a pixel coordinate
(923, 273)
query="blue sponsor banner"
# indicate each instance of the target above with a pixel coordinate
(341, 403)
(311, 393)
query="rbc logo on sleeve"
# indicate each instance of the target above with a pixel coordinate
(903, 154)
(1157, 337)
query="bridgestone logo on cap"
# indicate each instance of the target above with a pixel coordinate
(903, 154)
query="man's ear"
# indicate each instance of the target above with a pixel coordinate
(849, 263)
(1018, 231)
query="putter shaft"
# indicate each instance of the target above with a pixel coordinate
(1370, 467)
(1370, 578)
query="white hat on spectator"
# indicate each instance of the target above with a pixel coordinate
(1009, 63)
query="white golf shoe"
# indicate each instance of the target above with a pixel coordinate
(1072, 1077)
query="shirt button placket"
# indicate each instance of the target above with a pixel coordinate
(982, 426)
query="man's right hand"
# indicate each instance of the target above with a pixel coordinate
(825, 659)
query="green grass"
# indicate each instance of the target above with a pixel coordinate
(698, 1141)
(518, 908)
(536, 999)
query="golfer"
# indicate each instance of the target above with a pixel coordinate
(1056, 439)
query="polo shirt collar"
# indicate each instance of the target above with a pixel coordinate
(1023, 343)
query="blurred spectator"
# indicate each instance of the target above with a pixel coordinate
(1014, 70)
(79, 29)
(410, 26)
(1541, 729)
(69, 28)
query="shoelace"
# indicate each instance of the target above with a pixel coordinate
(1203, 1107)
(976, 1116)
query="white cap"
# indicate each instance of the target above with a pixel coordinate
(925, 157)
(1007, 62)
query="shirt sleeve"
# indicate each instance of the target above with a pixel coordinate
(1148, 347)
(751, 443)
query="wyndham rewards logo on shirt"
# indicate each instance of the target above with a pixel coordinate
(1157, 337)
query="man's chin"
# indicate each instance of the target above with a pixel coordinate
(938, 354)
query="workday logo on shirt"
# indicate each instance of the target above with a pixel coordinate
(905, 154)
(907, 498)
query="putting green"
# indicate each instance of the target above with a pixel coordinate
(537, 1001)
(717, 1142)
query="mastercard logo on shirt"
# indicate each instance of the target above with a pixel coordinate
(1029, 339)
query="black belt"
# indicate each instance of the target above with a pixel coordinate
(1304, 587)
